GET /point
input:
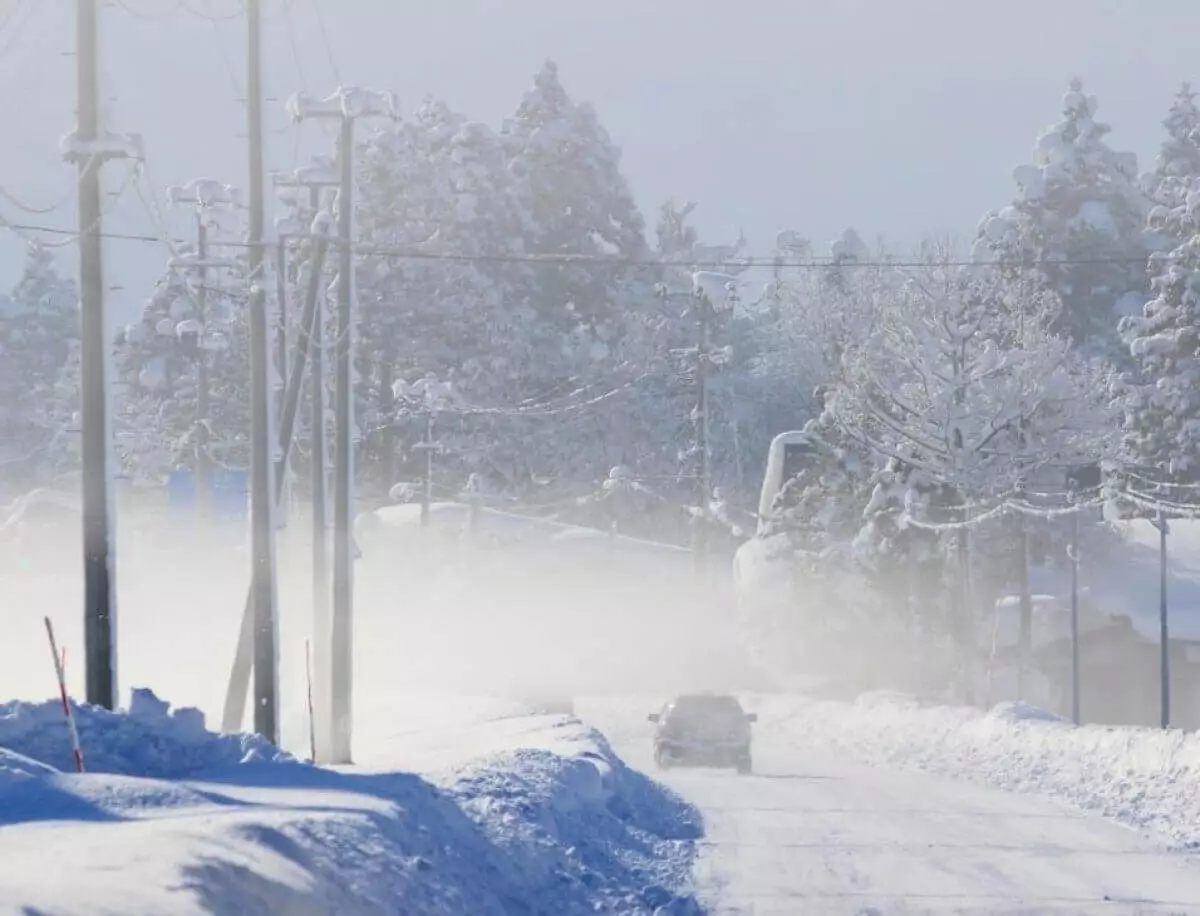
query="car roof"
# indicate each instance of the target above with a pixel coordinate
(705, 699)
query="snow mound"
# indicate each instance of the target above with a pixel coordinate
(15, 767)
(524, 830)
(149, 740)
(620, 841)
(1146, 778)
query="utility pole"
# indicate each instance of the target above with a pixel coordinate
(208, 197)
(345, 106)
(202, 468)
(262, 502)
(704, 285)
(1075, 616)
(1164, 636)
(700, 418)
(88, 148)
(314, 178)
(427, 446)
(342, 638)
(1079, 479)
(1025, 600)
(244, 661)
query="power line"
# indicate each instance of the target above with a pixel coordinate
(601, 261)
(337, 73)
(36, 211)
(180, 6)
(609, 262)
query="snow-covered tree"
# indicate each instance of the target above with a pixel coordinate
(1162, 411)
(160, 364)
(514, 336)
(1080, 215)
(815, 314)
(1178, 160)
(964, 379)
(1162, 414)
(567, 176)
(39, 326)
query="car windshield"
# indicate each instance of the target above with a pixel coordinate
(701, 707)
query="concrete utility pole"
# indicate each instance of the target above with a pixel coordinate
(700, 419)
(209, 198)
(244, 662)
(346, 106)
(262, 502)
(315, 178)
(705, 304)
(88, 148)
(300, 178)
(1164, 635)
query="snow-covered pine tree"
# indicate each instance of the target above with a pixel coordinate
(1160, 409)
(39, 324)
(1178, 160)
(576, 201)
(1162, 414)
(438, 185)
(1080, 215)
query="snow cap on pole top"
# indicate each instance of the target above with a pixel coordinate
(204, 193)
(718, 289)
(346, 102)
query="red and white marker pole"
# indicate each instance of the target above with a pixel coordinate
(60, 665)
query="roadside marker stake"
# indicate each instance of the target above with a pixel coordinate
(60, 666)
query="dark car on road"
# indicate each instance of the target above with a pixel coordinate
(703, 730)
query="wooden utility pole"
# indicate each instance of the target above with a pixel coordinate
(262, 502)
(88, 149)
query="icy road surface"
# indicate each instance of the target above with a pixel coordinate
(815, 835)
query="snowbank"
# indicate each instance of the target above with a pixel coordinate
(1146, 778)
(150, 739)
(562, 828)
(15, 766)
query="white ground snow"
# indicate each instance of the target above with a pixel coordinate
(545, 819)
(815, 831)
(1145, 778)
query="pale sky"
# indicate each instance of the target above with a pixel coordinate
(901, 118)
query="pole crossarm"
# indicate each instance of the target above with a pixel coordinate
(78, 150)
(351, 102)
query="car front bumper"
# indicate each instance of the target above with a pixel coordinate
(700, 754)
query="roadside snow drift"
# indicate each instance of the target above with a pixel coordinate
(150, 739)
(562, 826)
(1145, 778)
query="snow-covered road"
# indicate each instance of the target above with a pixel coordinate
(813, 834)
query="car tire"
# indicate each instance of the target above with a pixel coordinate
(744, 765)
(661, 760)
